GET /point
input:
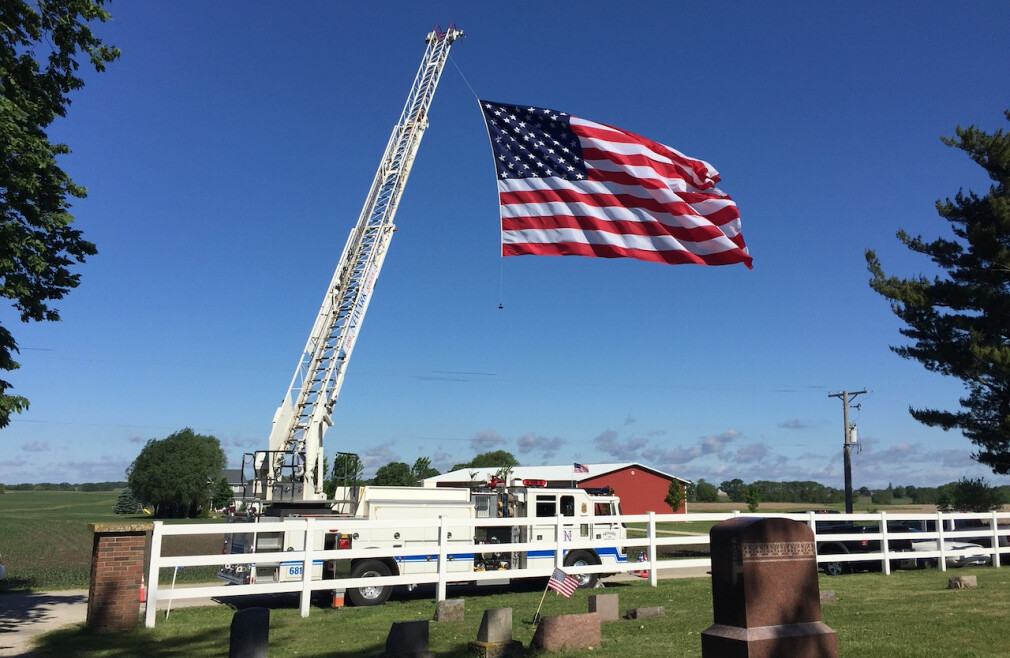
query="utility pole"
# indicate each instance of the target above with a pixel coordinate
(849, 440)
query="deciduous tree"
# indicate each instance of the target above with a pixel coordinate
(752, 496)
(40, 42)
(959, 322)
(395, 474)
(494, 459)
(223, 493)
(705, 492)
(176, 474)
(882, 496)
(347, 472)
(422, 469)
(734, 489)
(675, 495)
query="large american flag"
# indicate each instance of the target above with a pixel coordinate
(563, 583)
(572, 187)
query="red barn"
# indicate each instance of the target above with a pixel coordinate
(641, 488)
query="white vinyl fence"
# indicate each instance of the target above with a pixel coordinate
(655, 534)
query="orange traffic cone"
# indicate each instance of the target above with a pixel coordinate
(645, 572)
(143, 590)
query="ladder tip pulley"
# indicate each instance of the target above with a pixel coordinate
(450, 34)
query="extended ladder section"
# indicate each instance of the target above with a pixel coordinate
(292, 468)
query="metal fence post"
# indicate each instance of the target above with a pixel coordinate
(442, 564)
(306, 596)
(152, 578)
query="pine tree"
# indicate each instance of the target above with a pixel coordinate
(127, 503)
(959, 323)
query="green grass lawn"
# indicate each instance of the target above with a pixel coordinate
(909, 614)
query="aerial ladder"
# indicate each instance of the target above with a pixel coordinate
(292, 468)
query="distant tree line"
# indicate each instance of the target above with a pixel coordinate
(347, 470)
(967, 494)
(805, 491)
(64, 486)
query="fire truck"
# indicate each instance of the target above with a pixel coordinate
(286, 482)
(533, 509)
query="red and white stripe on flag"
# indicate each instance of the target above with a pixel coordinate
(572, 187)
(563, 583)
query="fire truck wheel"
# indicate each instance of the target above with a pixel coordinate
(583, 559)
(362, 596)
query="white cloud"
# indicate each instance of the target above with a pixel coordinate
(751, 453)
(377, 457)
(443, 461)
(713, 444)
(547, 447)
(626, 450)
(486, 441)
(246, 443)
(105, 469)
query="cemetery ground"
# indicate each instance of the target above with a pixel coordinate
(907, 614)
(46, 547)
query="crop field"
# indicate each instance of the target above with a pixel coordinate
(46, 544)
(44, 537)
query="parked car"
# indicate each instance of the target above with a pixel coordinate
(982, 526)
(833, 546)
(959, 551)
(956, 553)
(827, 545)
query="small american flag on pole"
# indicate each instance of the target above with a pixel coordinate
(572, 187)
(580, 468)
(563, 583)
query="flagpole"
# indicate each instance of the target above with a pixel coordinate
(168, 610)
(536, 615)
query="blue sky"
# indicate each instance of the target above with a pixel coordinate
(227, 155)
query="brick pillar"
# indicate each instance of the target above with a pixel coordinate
(117, 565)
